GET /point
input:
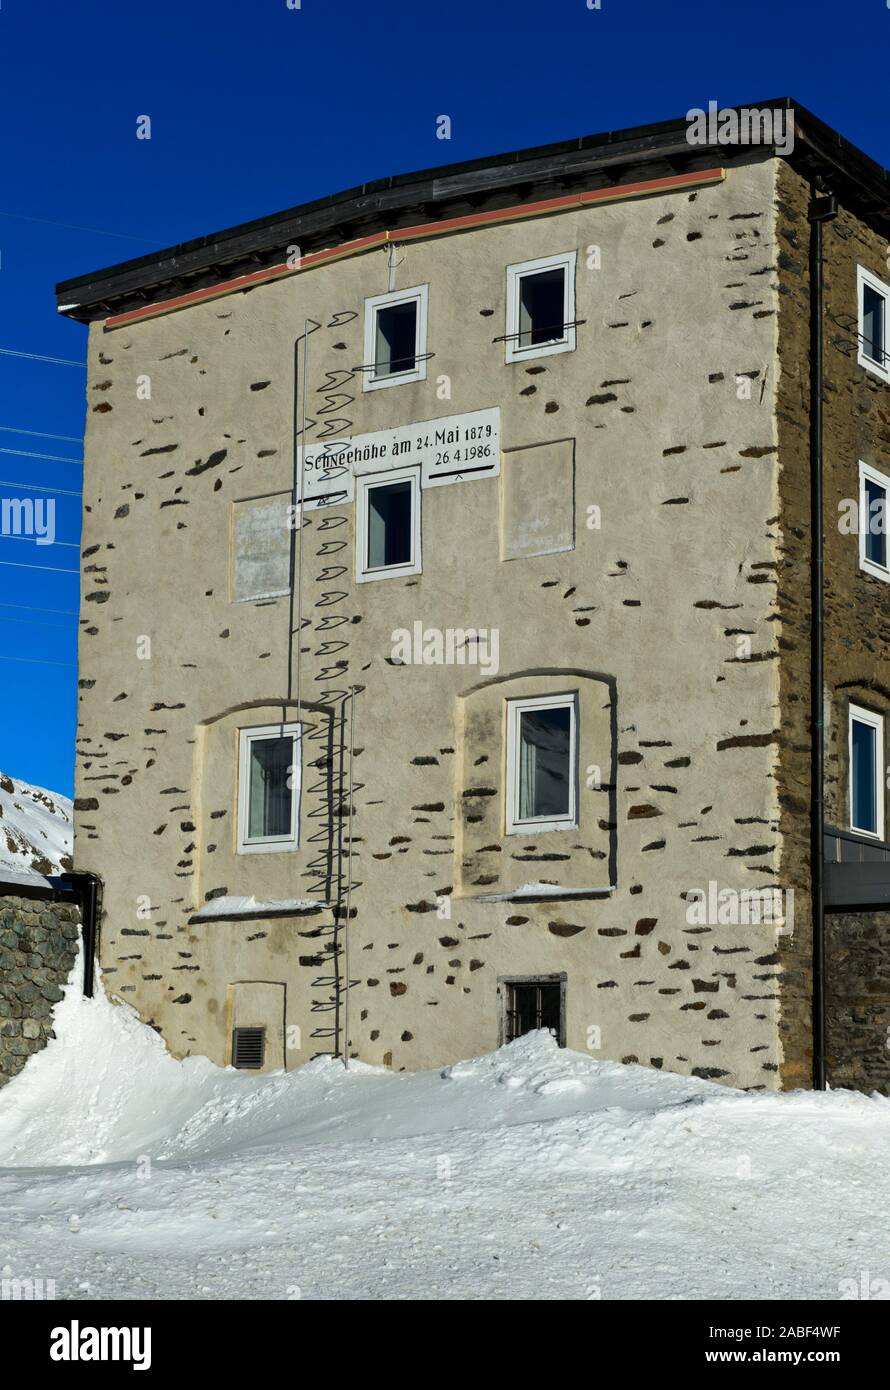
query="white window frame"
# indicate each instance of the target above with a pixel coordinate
(874, 475)
(515, 708)
(876, 722)
(270, 844)
(370, 380)
(515, 274)
(865, 277)
(363, 484)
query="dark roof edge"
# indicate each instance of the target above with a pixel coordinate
(817, 147)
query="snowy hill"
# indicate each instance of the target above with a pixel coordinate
(36, 830)
(531, 1173)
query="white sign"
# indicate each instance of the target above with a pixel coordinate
(453, 449)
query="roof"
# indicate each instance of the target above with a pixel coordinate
(608, 159)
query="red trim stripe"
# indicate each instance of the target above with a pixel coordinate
(670, 184)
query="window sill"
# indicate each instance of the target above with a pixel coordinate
(269, 847)
(516, 354)
(874, 368)
(538, 892)
(549, 827)
(870, 568)
(229, 909)
(402, 572)
(397, 379)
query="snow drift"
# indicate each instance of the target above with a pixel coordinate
(532, 1172)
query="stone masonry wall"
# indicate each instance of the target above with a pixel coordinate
(38, 946)
(858, 1003)
(857, 632)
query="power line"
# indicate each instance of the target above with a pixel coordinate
(73, 227)
(41, 434)
(37, 357)
(75, 545)
(53, 569)
(30, 622)
(50, 458)
(37, 661)
(30, 608)
(36, 487)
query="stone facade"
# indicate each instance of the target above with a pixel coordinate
(858, 1003)
(38, 947)
(661, 619)
(857, 629)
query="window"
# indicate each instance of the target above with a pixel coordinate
(248, 1048)
(873, 492)
(388, 525)
(541, 307)
(395, 338)
(873, 296)
(542, 743)
(269, 788)
(529, 1003)
(866, 772)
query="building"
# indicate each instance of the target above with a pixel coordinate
(557, 422)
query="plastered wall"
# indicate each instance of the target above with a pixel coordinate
(654, 600)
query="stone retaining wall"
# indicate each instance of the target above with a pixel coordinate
(38, 946)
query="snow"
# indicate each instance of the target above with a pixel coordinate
(232, 906)
(544, 890)
(533, 1172)
(36, 832)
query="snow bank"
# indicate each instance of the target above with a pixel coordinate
(530, 1173)
(102, 1088)
(106, 1089)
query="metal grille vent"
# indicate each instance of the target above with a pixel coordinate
(248, 1048)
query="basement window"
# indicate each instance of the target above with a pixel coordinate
(542, 758)
(874, 488)
(395, 338)
(541, 307)
(248, 1048)
(873, 297)
(269, 788)
(529, 1003)
(866, 772)
(387, 524)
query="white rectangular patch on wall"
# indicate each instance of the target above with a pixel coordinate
(538, 500)
(261, 546)
(452, 449)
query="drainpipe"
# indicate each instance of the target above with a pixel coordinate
(820, 210)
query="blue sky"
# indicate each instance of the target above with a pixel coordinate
(256, 107)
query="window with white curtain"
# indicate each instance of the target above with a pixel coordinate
(542, 759)
(866, 772)
(387, 524)
(541, 307)
(873, 296)
(395, 338)
(269, 788)
(874, 488)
